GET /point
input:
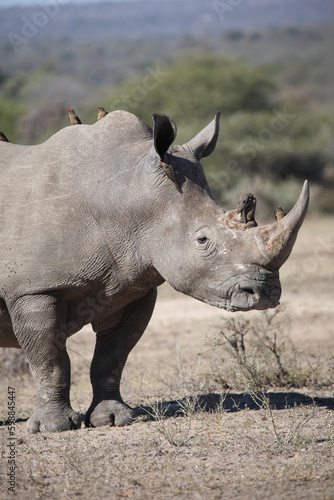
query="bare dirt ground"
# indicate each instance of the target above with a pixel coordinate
(206, 441)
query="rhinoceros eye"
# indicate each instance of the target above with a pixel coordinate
(202, 239)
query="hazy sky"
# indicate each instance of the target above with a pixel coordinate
(12, 3)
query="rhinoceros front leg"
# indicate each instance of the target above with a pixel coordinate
(112, 349)
(38, 321)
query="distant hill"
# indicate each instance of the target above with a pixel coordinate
(165, 18)
(58, 55)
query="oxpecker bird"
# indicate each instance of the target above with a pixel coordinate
(246, 207)
(243, 217)
(280, 213)
(170, 173)
(74, 119)
(102, 112)
(3, 137)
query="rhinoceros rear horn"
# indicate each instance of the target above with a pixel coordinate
(275, 241)
(164, 133)
(205, 141)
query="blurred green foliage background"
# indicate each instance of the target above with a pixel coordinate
(273, 88)
(268, 143)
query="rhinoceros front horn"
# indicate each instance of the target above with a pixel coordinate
(275, 241)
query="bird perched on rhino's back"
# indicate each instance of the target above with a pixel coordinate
(3, 138)
(280, 213)
(74, 119)
(102, 112)
(243, 217)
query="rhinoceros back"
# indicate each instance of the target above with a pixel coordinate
(53, 193)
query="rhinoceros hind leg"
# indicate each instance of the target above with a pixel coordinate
(111, 351)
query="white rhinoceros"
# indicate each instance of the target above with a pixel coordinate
(91, 225)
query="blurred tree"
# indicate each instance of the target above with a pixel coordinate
(12, 86)
(267, 142)
(9, 114)
(263, 139)
(3, 76)
(195, 86)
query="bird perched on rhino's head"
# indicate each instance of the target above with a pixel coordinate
(246, 207)
(3, 137)
(170, 173)
(74, 119)
(280, 213)
(102, 112)
(243, 217)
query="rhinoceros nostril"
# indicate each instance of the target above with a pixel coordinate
(249, 290)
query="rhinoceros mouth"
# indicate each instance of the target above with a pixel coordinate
(250, 297)
(247, 295)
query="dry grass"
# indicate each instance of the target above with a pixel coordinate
(210, 456)
(204, 430)
(261, 354)
(13, 363)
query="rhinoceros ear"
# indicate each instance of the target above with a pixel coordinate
(205, 141)
(164, 133)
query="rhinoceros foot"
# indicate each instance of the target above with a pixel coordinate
(53, 421)
(110, 412)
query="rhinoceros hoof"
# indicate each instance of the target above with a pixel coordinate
(110, 413)
(53, 421)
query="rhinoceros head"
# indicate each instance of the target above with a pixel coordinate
(197, 253)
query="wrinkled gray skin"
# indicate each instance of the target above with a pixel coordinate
(91, 225)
